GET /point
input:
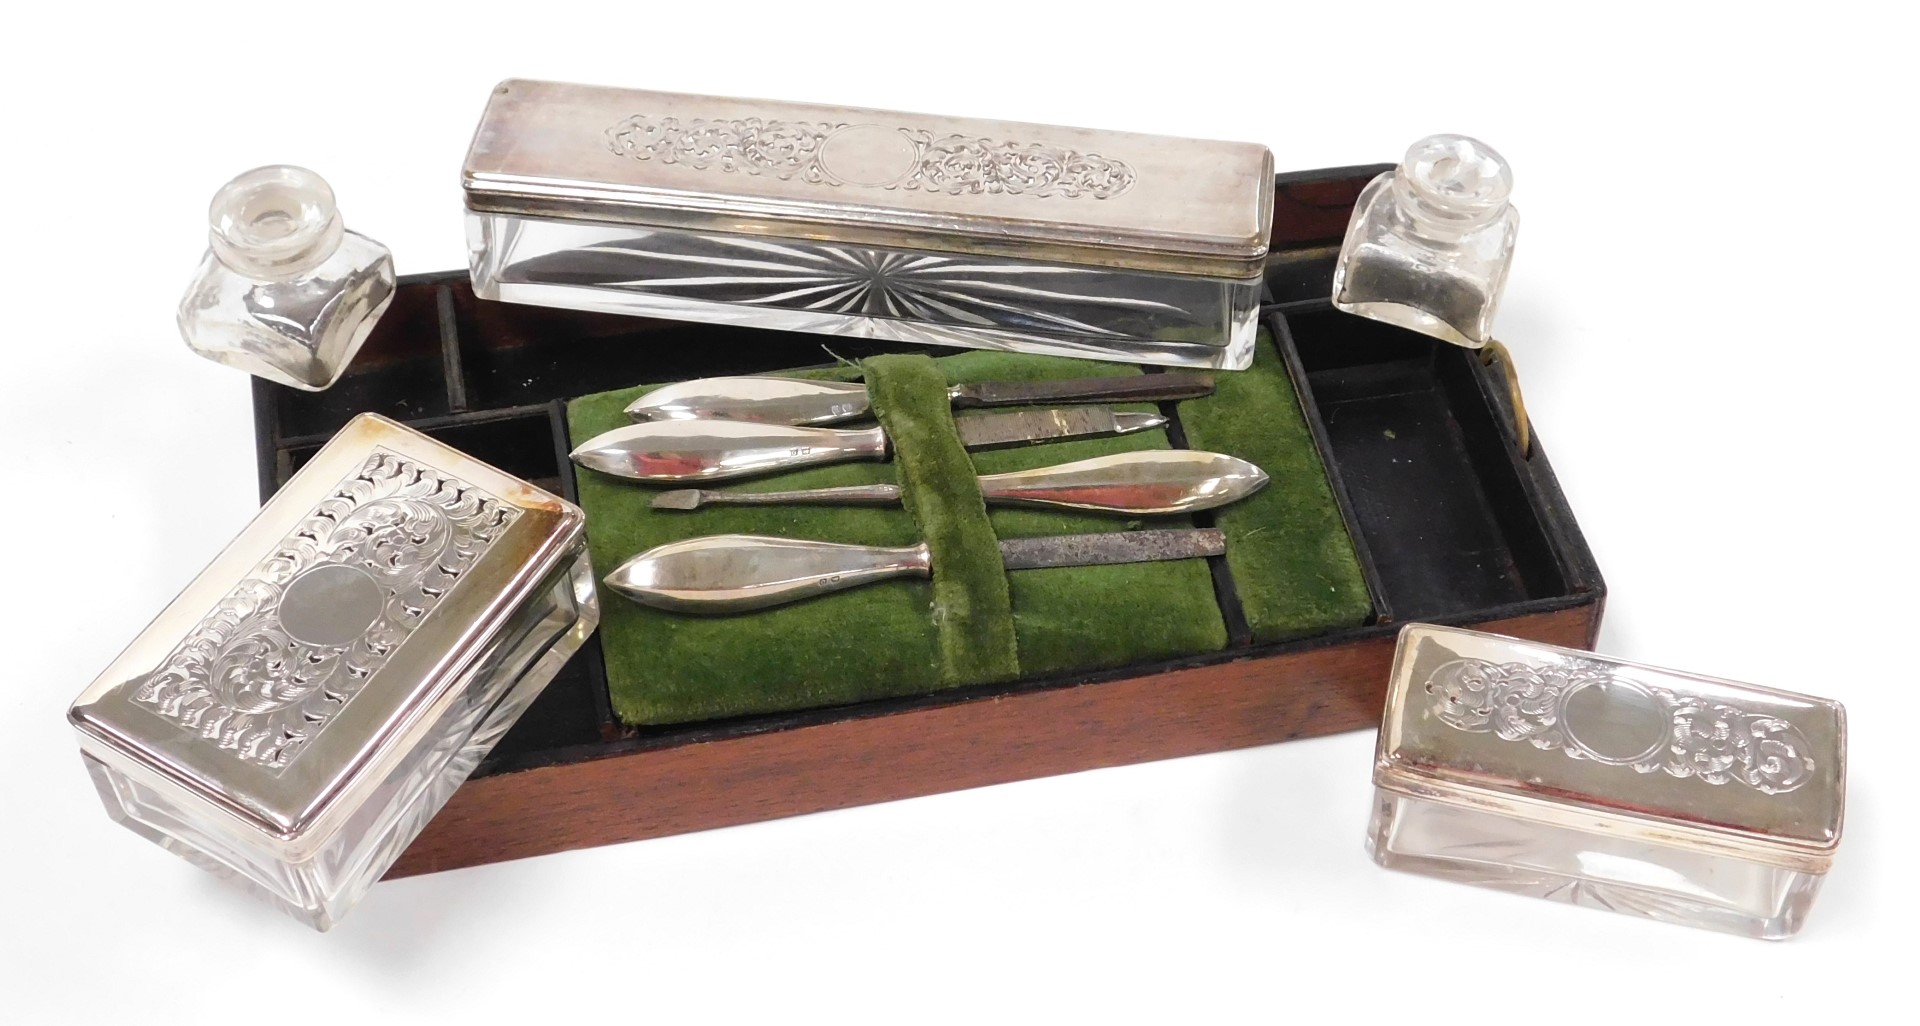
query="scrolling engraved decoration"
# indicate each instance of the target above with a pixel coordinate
(243, 679)
(1691, 737)
(871, 155)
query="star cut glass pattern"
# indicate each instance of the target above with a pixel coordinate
(902, 295)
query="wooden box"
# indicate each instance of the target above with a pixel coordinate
(1453, 523)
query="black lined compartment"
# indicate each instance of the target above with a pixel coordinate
(1436, 487)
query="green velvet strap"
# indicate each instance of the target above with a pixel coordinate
(972, 605)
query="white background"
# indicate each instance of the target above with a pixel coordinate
(1712, 306)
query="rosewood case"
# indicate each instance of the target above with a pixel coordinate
(1452, 522)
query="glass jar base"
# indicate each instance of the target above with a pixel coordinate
(1715, 892)
(893, 295)
(1410, 318)
(300, 332)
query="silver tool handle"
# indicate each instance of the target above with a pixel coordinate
(721, 450)
(1153, 482)
(762, 399)
(733, 573)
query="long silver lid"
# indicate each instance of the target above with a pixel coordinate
(1567, 737)
(280, 685)
(873, 177)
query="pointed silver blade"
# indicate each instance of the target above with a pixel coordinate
(721, 450)
(764, 398)
(1116, 547)
(1030, 427)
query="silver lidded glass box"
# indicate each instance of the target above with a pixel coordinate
(1566, 775)
(868, 223)
(311, 700)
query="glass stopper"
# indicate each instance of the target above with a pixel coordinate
(274, 222)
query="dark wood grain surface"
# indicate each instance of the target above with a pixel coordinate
(702, 785)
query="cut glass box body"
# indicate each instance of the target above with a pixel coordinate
(871, 224)
(1565, 775)
(297, 715)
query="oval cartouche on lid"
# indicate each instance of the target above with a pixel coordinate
(297, 715)
(1567, 775)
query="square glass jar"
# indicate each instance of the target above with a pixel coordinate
(871, 224)
(311, 700)
(1566, 775)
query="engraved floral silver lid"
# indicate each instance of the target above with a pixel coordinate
(347, 626)
(873, 178)
(1574, 739)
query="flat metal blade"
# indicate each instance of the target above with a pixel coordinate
(1029, 427)
(1114, 547)
(1127, 388)
(679, 498)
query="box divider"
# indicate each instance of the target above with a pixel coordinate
(1225, 594)
(451, 370)
(1317, 428)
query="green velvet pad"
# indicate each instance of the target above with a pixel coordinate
(1293, 565)
(885, 639)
